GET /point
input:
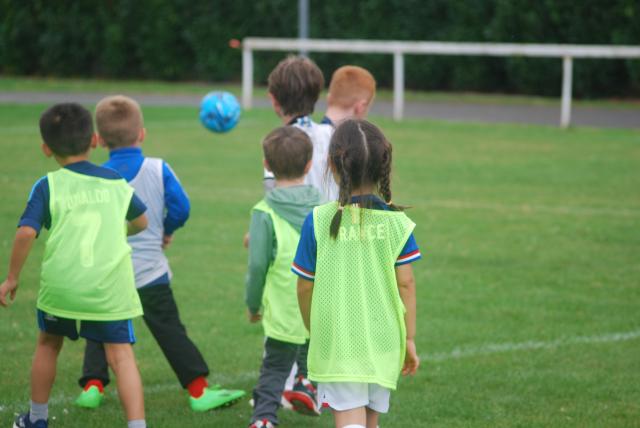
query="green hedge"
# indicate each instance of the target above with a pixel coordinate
(188, 40)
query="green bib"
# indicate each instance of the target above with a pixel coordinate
(86, 269)
(281, 318)
(358, 332)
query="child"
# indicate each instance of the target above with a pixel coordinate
(86, 270)
(120, 129)
(355, 282)
(275, 230)
(294, 87)
(351, 93)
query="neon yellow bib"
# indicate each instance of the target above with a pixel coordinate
(358, 332)
(281, 318)
(86, 269)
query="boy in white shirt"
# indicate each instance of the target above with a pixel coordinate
(294, 87)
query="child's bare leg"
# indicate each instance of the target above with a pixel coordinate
(123, 363)
(43, 368)
(372, 418)
(344, 418)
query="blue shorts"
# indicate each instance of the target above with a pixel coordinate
(99, 331)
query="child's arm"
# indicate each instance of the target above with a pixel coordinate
(176, 202)
(21, 247)
(137, 225)
(260, 257)
(407, 289)
(305, 292)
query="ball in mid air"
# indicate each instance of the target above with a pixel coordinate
(219, 111)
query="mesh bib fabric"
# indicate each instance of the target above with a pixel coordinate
(86, 269)
(358, 331)
(281, 318)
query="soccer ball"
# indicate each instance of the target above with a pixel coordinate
(219, 111)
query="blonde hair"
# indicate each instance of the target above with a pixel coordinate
(119, 120)
(350, 84)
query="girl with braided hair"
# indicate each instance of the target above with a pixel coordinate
(356, 288)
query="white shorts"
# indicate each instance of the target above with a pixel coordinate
(351, 395)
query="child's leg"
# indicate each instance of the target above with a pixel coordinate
(372, 418)
(301, 359)
(355, 404)
(352, 418)
(162, 317)
(122, 361)
(43, 368)
(276, 365)
(95, 364)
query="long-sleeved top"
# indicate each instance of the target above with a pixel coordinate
(128, 160)
(293, 204)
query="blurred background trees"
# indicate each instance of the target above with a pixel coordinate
(188, 40)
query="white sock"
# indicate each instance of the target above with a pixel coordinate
(354, 426)
(137, 423)
(38, 411)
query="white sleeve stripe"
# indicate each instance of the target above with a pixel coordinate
(302, 273)
(411, 258)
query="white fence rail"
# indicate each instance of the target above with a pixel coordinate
(399, 48)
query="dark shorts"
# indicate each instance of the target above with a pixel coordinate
(99, 331)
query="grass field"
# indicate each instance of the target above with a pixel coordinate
(528, 294)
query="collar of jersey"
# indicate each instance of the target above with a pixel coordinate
(376, 202)
(125, 152)
(300, 120)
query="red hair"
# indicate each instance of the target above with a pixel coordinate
(350, 84)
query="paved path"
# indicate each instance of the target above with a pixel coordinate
(453, 111)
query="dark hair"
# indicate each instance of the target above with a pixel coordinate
(287, 150)
(361, 155)
(67, 129)
(296, 83)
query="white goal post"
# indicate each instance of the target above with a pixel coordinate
(400, 48)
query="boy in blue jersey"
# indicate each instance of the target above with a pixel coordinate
(120, 130)
(86, 271)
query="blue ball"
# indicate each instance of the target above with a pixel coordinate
(219, 111)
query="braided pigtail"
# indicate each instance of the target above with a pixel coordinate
(342, 166)
(384, 178)
(384, 185)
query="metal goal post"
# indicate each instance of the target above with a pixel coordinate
(401, 48)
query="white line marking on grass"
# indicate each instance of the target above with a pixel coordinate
(531, 345)
(535, 209)
(229, 381)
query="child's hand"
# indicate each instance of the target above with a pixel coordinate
(9, 286)
(166, 241)
(245, 240)
(411, 359)
(254, 318)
